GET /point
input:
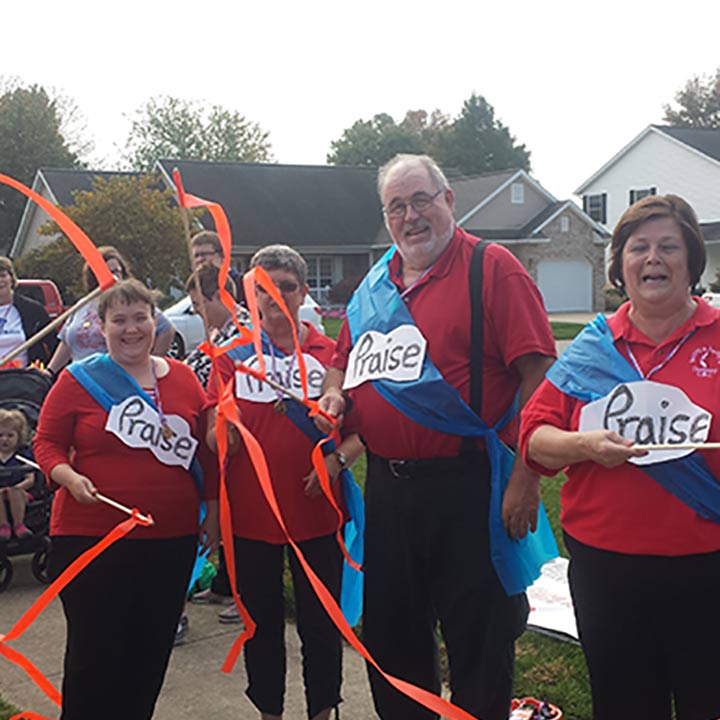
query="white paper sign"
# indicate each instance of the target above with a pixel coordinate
(649, 413)
(138, 426)
(551, 606)
(249, 388)
(396, 356)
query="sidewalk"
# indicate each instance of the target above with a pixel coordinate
(194, 686)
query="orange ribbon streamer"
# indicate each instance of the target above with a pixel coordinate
(228, 415)
(76, 236)
(33, 612)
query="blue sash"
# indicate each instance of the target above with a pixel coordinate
(351, 593)
(590, 369)
(108, 384)
(432, 402)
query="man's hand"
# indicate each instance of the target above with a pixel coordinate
(332, 401)
(521, 501)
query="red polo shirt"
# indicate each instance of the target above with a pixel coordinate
(287, 451)
(515, 324)
(623, 509)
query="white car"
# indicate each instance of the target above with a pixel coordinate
(189, 332)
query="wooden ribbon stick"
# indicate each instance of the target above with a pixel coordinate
(59, 320)
(685, 446)
(144, 519)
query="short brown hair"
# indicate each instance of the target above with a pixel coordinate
(108, 252)
(281, 257)
(16, 420)
(6, 264)
(126, 292)
(654, 207)
(208, 237)
(208, 278)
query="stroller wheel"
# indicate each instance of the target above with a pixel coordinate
(40, 566)
(6, 572)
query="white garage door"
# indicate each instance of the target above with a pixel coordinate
(566, 285)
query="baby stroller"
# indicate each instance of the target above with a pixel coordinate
(25, 390)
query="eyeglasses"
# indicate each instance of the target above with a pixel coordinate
(207, 254)
(420, 202)
(284, 286)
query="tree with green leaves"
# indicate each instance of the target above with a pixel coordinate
(478, 142)
(474, 142)
(31, 137)
(172, 128)
(698, 103)
(129, 212)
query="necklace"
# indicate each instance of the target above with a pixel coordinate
(662, 364)
(279, 405)
(167, 431)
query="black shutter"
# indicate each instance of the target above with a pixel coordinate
(604, 208)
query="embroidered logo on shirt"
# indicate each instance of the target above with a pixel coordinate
(705, 361)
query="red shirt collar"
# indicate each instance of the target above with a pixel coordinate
(441, 267)
(622, 327)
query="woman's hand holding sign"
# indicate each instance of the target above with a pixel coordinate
(607, 448)
(556, 448)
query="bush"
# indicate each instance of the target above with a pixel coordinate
(341, 292)
(614, 298)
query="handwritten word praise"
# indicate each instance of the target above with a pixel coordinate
(284, 371)
(396, 356)
(138, 426)
(649, 413)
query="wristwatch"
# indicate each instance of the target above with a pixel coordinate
(341, 458)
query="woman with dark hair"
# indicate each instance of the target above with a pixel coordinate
(82, 336)
(129, 425)
(20, 319)
(625, 412)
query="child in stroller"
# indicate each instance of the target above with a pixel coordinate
(22, 392)
(16, 479)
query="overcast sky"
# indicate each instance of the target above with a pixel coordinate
(574, 81)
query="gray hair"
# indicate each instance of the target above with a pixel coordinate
(281, 257)
(424, 161)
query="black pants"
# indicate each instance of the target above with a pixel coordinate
(260, 568)
(650, 631)
(121, 614)
(427, 560)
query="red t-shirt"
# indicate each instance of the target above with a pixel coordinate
(287, 451)
(514, 324)
(71, 419)
(624, 509)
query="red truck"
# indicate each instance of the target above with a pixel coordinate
(45, 292)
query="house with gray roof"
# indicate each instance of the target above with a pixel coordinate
(662, 159)
(332, 215)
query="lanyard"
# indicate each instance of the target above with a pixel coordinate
(662, 364)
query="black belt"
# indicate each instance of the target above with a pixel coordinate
(406, 469)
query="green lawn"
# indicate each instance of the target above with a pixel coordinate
(7, 711)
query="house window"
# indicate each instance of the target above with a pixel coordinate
(636, 195)
(517, 193)
(320, 276)
(596, 207)
(564, 224)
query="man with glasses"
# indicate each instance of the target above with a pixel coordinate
(427, 541)
(206, 249)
